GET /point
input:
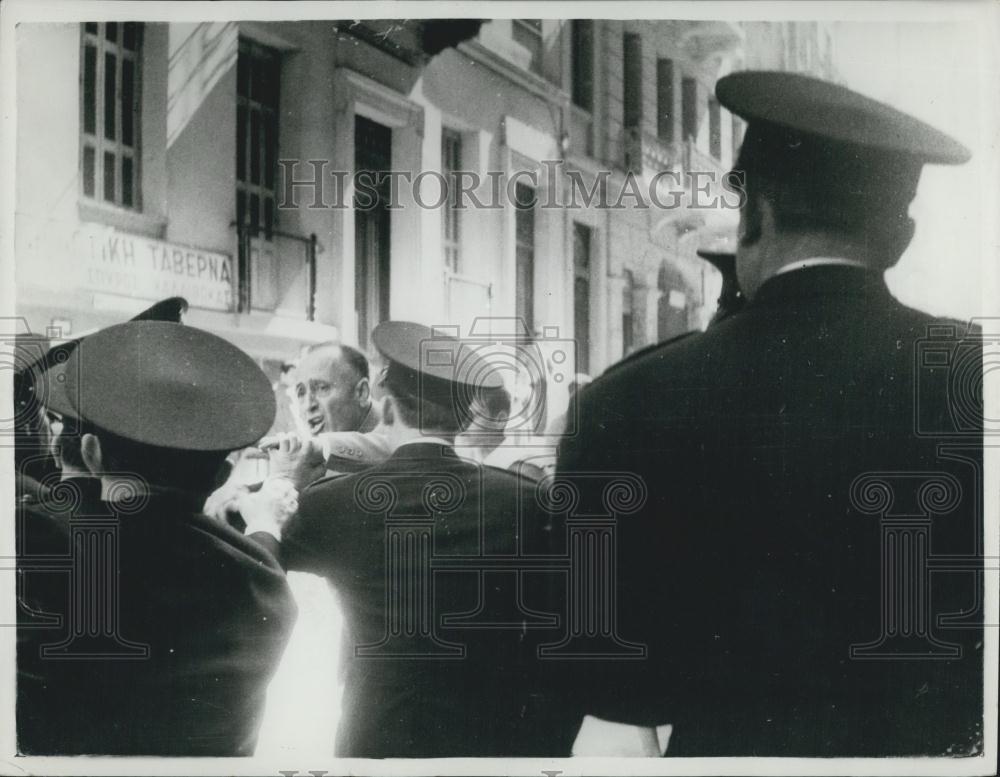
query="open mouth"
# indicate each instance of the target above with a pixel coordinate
(316, 424)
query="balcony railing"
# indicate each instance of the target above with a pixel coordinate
(276, 275)
(645, 152)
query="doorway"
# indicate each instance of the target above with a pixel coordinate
(372, 221)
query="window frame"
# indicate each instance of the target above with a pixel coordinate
(97, 141)
(451, 226)
(524, 256)
(257, 55)
(632, 97)
(529, 28)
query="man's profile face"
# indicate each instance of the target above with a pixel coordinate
(330, 395)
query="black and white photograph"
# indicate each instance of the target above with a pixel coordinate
(413, 388)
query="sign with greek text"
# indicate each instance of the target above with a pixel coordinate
(135, 266)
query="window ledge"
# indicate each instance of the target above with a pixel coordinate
(130, 221)
(526, 79)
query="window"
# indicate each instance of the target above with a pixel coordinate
(628, 313)
(581, 295)
(524, 240)
(714, 129)
(372, 227)
(109, 138)
(689, 108)
(451, 158)
(665, 100)
(257, 73)
(582, 49)
(632, 52)
(528, 32)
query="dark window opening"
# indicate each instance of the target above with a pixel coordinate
(524, 229)
(258, 71)
(714, 129)
(372, 227)
(689, 108)
(582, 49)
(665, 100)
(451, 162)
(632, 52)
(581, 295)
(628, 314)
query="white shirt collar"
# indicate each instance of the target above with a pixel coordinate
(428, 440)
(819, 261)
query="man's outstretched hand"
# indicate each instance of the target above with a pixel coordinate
(269, 509)
(300, 459)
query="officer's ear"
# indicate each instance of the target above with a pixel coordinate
(363, 391)
(90, 451)
(756, 219)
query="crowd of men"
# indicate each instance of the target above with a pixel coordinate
(796, 571)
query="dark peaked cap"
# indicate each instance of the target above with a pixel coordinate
(168, 385)
(435, 367)
(53, 362)
(830, 112)
(170, 309)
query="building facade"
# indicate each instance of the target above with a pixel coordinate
(218, 162)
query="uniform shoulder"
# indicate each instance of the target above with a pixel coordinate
(925, 326)
(326, 481)
(641, 356)
(220, 537)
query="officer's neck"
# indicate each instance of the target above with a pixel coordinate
(400, 434)
(777, 251)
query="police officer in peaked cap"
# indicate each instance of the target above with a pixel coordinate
(440, 663)
(761, 602)
(179, 660)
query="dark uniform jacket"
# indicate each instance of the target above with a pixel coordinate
(203, 615)
(442, 654)
(772, 446)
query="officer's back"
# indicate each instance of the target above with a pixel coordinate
(150, 629)
(773, 445)
(423, 550)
